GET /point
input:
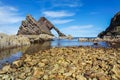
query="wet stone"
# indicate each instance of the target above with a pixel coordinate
(71, 63)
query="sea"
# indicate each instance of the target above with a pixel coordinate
(10, 55)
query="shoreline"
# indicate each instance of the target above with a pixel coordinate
(112, 43)
(13, 41)
(99, 39)
(66, 63)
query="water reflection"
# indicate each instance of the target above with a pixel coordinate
(10, 59)
(75, 42)
(10, 55)
(34, 48)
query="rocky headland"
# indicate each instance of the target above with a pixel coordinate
(111, 34)
(113, 30)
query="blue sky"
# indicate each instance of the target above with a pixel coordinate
(83, 18)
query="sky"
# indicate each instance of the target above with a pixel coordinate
(79, 18)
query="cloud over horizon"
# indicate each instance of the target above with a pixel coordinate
(81, 30)
(62, 21)
(58, 14)
(57, 17)
(9, 19)
(67, 3)
(9, 15)
(62, 3)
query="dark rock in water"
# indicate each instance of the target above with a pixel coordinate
(32, 27)
(114, 28)
(95, 43)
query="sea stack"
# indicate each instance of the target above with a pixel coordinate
(38, 31)
(32, 27)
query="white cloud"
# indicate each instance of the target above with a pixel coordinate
(93, 13)
(57, 14)
(68, 3)
(9, 29)
(10, 19)
(77, 28)
(58, 21)
(61, 3)
(9, 8)
(81, 31)
(9, 15)
(73, 5)
(81, 27)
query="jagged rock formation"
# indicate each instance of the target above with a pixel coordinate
(32, 27)
(114, 28)
(43, 21)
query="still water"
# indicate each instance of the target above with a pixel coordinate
(10, 55)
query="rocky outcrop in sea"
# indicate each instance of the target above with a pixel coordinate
(32, 27)
(38, 31)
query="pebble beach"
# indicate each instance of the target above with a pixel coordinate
(66, 63)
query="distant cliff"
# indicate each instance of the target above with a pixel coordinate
(114, 28)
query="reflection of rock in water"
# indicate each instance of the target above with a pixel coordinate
(9, 52)
(10, 55)
(37, 47)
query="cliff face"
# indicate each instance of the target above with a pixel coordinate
(32, 27)
(114, 28)
(115, 24)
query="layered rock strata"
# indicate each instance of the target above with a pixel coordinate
(32, 27)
